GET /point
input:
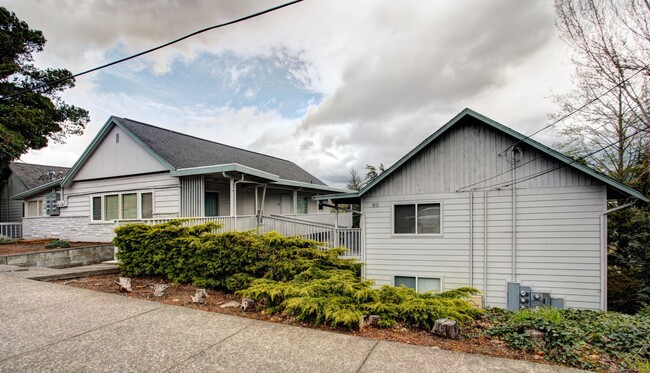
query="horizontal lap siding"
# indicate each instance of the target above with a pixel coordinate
(561, 256)
(445, 256)
(166, 191)
(558, 220)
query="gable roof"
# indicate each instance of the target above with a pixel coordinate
(35, 175)
(611, 183)
(188, 155)
(183, 151)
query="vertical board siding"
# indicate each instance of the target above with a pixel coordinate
(112, 158)
(557, 220)
(192, 196)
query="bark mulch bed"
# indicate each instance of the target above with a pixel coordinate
(31, 246)
(179, 295)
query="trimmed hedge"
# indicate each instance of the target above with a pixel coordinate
(227, 261)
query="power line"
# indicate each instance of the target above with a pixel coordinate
(578, 109)
(538, 157)
(544, 172)
(254, 15)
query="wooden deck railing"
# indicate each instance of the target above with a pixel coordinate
(13, 230)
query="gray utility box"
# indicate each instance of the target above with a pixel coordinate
(520, 297)
(51, 204)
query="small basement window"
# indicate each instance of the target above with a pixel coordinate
(417, 218)
(420, 284)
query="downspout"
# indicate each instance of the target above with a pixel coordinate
(485, 246)
(603, 252)
(471, 238)
(514, 217)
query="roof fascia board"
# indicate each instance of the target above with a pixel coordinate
(95, 143)
(335, 196)
(301, 184)
(413, 152)
(38, 189)
(229, 167)
(527, 140)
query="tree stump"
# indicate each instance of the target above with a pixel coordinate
(160, 290)
(124, 283)
(200, 297)
(445, 328)
(247, 304)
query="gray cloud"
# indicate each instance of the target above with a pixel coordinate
(390, 73)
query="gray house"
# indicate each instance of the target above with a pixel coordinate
(22, 177)
(479, 204)
(134, 171)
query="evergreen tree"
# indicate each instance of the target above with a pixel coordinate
(29, 119)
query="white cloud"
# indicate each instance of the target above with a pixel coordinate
(386, 70)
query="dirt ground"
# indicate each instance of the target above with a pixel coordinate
(31, 246)
(180, 295)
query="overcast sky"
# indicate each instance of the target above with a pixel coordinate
(330, 85)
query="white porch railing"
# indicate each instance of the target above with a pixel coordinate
(330, 237)
(349, 238)
(228, 223)
(344, 218)
(13, 230)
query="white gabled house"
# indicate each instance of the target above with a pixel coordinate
(479, 204)
(134, 171)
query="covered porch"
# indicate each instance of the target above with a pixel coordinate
(239, 191)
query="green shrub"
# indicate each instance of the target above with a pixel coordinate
(578, 338)
(5, 240)
(289, 274)
(340, 298)
(228, 261)
(55, 244)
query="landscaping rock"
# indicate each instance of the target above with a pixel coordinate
(160, 290)
(445, 328)
(124, 283)
(247, 304)
(200, 297)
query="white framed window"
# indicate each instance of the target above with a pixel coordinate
(127, 205)
(420, 284)
(417, 218)
(33, 208)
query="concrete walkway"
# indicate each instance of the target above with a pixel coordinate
(47, 327)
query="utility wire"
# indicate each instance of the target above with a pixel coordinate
(46, 84)
(544, 172)
(536, 158)
(578, 109)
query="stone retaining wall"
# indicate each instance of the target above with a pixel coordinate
(61, 258)
(67, 228)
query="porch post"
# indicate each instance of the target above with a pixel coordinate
(233, 198)
(295, 202)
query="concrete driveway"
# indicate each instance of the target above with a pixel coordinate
(46, 327)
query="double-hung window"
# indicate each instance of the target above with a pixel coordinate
(417, 218)
(109, 207)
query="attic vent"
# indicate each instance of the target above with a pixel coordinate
(117, 138)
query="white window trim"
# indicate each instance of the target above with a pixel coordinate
(392, 219)
(441, 278)
(39, 211)
(119, 205)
